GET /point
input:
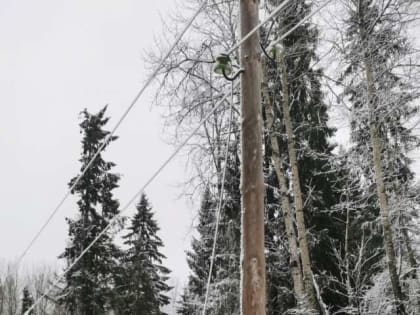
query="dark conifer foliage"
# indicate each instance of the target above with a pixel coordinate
(309, 114)
(88, 285)
(225, 289)
(185, 304)
(141, 281)
(225, 284)
(27, 301)
(198, 258)
(279, 283)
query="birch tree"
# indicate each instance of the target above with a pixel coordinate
(382, 106)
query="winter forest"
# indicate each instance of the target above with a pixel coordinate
(339, 123)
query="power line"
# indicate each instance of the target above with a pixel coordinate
(278, 40)
(110, 135)
(270, 17)
(256, 28)
(219, 207)
(148, 182)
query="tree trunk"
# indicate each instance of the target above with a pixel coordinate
(376, 143)
(380, 185)
(297, 192)
(413, 272)
(286, 208)
(349, 288)
(410, 252)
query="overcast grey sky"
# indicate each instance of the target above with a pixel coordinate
(57, 57)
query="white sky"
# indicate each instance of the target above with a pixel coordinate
(56, 58)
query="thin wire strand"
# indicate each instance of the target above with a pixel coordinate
(219, 207)
(256, 28)
(111, 134)
(115, 218)
(277, 41)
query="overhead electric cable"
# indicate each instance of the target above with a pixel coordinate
(270, 17)
(278, 40)
(256, 28)
(110, 135)
(148, 182)
(219, 206)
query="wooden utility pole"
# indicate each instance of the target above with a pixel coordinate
(252, 181)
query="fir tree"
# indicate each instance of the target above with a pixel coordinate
(186, 305)
(142, 285)
(88, 285)
(27, 301)
(311, 135)
(198, 258)
(280, 297)
(224, 288)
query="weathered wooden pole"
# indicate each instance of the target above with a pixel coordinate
(252, 181)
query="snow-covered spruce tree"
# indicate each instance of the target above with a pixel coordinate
(11, 294)
(88, 285)
(199, 258)
(27, 301)
(186, 305)
(225, 286)
(382, 101)
(141, 283)
(225, 283)
(2, 296)
(295, 84)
